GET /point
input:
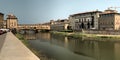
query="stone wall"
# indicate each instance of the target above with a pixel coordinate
(108, 32)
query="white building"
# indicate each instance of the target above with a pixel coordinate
(85, 20)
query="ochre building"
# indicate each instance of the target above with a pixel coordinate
(12, 21)
(109, 21)
(59, 25)
(1, 20)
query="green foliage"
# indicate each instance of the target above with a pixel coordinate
(67, 31)
(80, 34)
(20, 37)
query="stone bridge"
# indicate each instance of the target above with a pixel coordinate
(34, 26)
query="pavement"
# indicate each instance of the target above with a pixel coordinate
(14, 49)
(2, 39)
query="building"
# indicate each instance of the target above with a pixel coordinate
(109, 21)
(110, 11)
(59, 25)
(27, 26)
(4, 24)
(12, 21)
(85, 20)
(1, 20)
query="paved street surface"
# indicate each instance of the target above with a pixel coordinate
(14, 49)
(2, 39)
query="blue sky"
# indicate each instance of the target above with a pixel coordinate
(40, 11)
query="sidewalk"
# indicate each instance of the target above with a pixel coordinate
(2, 39)
(14, 49)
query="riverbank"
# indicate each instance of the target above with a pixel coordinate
(25, 42)
(14, 49)
(79, 35)
(35, 51)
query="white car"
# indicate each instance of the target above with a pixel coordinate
(5, 30)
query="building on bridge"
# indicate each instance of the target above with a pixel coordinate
(1, 20)
(33, 26)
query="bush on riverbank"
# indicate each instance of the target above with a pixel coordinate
(69, 31)
(20, 37)
(79, 35)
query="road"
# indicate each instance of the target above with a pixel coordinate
(2, 39)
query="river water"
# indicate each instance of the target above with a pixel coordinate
(55, 47)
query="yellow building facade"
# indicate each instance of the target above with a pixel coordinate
(1, 20)
(59, 25)
(109, 21)
(11, 21)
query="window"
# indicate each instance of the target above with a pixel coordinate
(85, 19)
(79, 20)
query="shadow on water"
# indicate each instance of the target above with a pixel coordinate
(55, 47)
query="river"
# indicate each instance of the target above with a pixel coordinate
(55, 47)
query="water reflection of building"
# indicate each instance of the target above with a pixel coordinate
(117, 51)
(66, 42)
(99, 50)
(96, 49)
(59, 40)
(45, 36)
(33, 36)
(30, 36)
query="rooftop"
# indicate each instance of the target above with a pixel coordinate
(11, 16)
(109, 13)
(1, 13)
(87, 12)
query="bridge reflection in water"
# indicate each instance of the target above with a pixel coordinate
(31, 35)
(66, 48)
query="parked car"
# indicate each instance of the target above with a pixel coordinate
(4, 30)
(1, 32)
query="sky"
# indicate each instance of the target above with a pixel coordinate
(41, 11)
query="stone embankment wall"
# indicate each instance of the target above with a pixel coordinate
(14, 49)
(106, 32)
